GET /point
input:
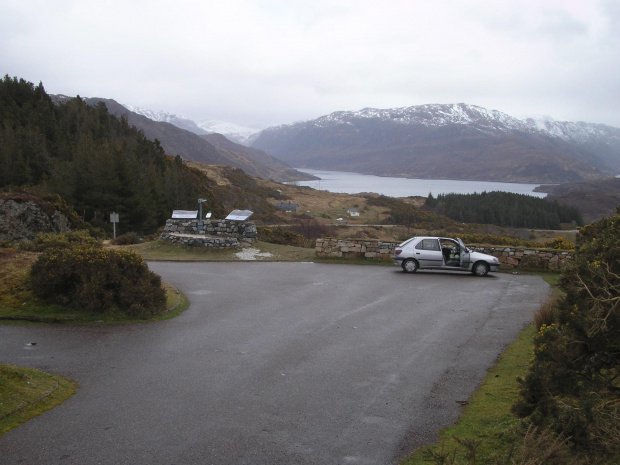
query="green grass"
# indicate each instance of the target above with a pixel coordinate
(487, 418)
(26, 393)
(160, 250)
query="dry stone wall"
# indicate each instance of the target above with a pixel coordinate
(215, 233)
(509, 257)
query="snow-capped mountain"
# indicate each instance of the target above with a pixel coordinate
(162, 116)
(240, 134)
(436, 115)
(456, 141)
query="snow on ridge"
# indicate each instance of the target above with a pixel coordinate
(436, 115)
(224, 127)
(240, 134)
(574, 131)
(429, 115)
(160, 116)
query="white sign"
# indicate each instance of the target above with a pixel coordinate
(185, 214)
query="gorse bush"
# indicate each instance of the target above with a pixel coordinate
(493, 239)
(573, 386)
(280, 235)
(127, 239)
(94, 280)
(559, 243)
(48, 241)
(310, 230)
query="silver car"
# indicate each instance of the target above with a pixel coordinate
(442, 253)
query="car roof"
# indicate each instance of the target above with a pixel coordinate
(432, 237)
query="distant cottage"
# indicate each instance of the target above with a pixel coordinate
(287, 207)
(353, 212)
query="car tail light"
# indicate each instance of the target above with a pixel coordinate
(398, 251)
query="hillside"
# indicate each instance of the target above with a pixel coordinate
(595, 199)
(446, 142)
(256, 162)
(95, 162)
(192, 147)
(98, 164)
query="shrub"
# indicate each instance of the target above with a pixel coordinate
(280, 235)
(546, 314)
(310, 230)
(493, 239)
(98, 281)
(127, 239)
(560, 243)
(48, 241)
(572, 387)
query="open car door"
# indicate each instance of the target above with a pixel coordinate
(464, 255)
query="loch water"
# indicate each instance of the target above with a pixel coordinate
(355, 183)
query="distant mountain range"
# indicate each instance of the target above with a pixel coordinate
(176, 138)
(240, 134)
(456, 141)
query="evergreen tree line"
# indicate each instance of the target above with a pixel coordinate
(95, 161)
(504, 209)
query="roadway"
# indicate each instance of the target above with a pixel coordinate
(273, 363)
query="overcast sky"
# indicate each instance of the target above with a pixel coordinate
(266, 62)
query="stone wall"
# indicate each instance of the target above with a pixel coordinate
(514, 257)
(354, 248)
(215, 233)
(509, 257)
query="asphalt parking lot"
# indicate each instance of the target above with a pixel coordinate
(273, 363)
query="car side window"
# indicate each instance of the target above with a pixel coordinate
(428, 244)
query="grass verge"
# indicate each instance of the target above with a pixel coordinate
(486, 424)
(161, 250)
(26, 393)
(487, 431)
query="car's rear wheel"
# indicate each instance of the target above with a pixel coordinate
(410, 266)
(480, 269)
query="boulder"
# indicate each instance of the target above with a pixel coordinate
(23, 217)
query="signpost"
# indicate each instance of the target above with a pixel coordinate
(114, 220)
(201, 223)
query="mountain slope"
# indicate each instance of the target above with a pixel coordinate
(192, 147)
(239, 134)
(435, 141)
(266, 166)
(163, 117)
(595, 199)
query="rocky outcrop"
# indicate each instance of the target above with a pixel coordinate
(23, 217)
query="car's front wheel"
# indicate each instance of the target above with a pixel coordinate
(410, 266)
(480, 269)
